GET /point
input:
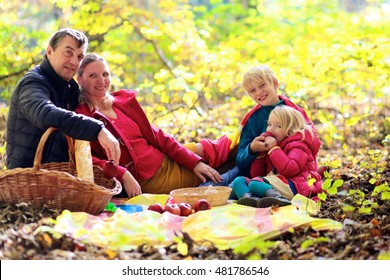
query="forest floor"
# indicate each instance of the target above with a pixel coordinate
(364, 215)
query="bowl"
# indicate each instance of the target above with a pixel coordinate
(216, 196)
(131, 208)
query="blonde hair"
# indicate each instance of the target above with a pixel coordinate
(258, 74)
(84, 98)
(292, 120)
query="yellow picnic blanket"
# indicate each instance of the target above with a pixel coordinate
(226, 226)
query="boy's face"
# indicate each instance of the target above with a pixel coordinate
(264, 92)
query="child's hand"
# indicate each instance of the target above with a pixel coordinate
(270, 142)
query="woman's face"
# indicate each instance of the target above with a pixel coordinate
(96, 79)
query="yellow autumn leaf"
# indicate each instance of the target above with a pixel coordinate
(111, 254)
(311, 181)
(182, 248)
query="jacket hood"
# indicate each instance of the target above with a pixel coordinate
(312, 141)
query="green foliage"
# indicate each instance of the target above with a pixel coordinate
(375, 167)
(384, 256)
(23, 36)
(330, 186)
(3, 117)
(384, 190)
(187, 63)
(254, 249)
(365, 206)
(311, 241)
(187, 60)
(357, 196)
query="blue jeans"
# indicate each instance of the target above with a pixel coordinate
(227, 179)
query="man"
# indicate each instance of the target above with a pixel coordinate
(46, 97)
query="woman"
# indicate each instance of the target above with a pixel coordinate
(151, 161)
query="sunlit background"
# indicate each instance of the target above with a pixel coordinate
(186, 58)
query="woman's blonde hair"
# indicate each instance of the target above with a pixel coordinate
(258, 74)
(292, 120)
(84, 98)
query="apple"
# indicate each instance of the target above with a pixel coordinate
(156, 207)
(110, 170)
(170, 200)
(202, 204)
(172, 208)
(185, 208)
(322, 169)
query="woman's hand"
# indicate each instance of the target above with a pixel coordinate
(131, 185)
(201, 170)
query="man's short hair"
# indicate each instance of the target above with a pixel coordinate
(57, 37)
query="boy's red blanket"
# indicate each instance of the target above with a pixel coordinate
(216, 152)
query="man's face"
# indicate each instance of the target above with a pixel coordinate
(66, 58)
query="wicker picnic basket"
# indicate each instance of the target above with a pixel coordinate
(56, 184)
(216, 196)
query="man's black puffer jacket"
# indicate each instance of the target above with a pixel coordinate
(41, 100)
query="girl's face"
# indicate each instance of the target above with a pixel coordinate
(263, 92)
(275, 127)
(96, 79)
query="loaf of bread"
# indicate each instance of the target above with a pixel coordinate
(83, 158)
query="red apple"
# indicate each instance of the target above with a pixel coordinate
(170, 200)
(185, 208)
(156, 207)
(110, 170)
(202, 204)
(321, 170)
(172, 208)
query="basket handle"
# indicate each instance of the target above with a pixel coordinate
(41, 145)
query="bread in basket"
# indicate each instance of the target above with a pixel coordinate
(216, 196)
(56, 184)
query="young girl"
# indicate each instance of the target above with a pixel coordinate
(288, 165)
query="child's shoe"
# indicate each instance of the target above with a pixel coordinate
(272, 197)
(249, 200)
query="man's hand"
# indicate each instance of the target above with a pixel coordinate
(110, 144)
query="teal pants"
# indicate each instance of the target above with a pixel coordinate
(256, 186)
